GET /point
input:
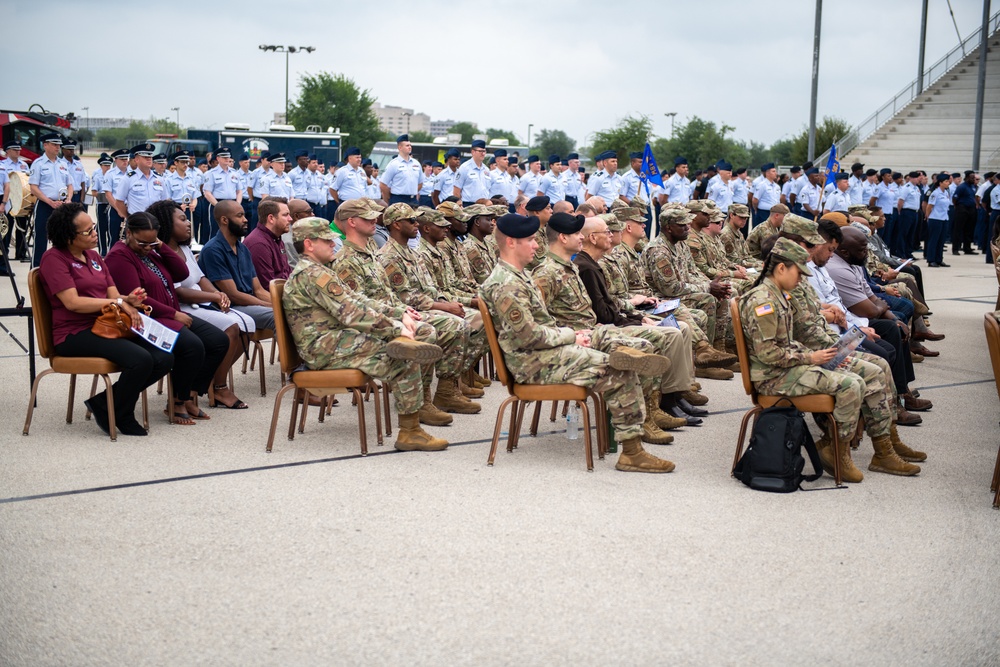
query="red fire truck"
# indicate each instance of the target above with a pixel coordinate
(27, 127)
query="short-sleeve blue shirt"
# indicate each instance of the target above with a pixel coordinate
(218, 262)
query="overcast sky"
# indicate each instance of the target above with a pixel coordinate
(575, 65)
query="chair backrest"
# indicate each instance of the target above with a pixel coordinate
(741, 349)
(993, 342)
(41, 312)
(503, 373)
(288, 356)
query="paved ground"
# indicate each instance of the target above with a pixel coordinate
(194, 546)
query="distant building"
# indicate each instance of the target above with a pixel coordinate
(439, 128)
(94, 123)
(397, 120)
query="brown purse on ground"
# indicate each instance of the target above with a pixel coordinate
(113, 322)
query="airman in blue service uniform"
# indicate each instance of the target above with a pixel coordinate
(75, 167)
(446, 179)
(114, 176)
(551, 184)
(277, 183)
(243, 175)
(349, 181)
(472, 182)
(182, 187)
(606, 184)
(253, 183)
(631, 181)
(529, 182)
(140, 187)
(400, 182)
(97, 188)
(52, 186)
(299, 174)
(572, 185)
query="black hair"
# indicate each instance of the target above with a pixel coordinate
(794, 237)
(770, 261)
(62, 228)
(163, 211)
(829, 230)
(140, 221)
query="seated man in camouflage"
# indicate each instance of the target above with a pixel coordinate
(356, 265)
(480, 246)
(735, 246)
(706, 249)
(537, 351)
(336, 328)
(769, 227)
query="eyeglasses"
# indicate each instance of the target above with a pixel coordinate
(146, 244)
(87, 232)
(478, 150)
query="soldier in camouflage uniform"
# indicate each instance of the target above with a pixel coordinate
(358, 268)
(706, 249)
(780, 365)
(337, 328)
(735, 246)
(766, 229)
(538, 351)
(614, 272)
(541, 208)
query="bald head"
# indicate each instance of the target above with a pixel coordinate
(225, 208)
(853, 238)
(562, 207)
(597, 204)
(594, 224)
(299, 208)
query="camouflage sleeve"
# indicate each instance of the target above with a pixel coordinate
(546, 283)
(350, 277)
(700, 257)
(662, 276)
(753, 241)
(766, 335)
(513, 317)
(480, 271)
(351, 311)
(409, 294)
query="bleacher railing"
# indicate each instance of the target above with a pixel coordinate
(887, 111)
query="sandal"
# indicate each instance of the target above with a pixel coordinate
(238, 405)
(201, 415)
(181, 418)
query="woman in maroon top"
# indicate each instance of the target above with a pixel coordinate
(79, 285)
(143, 261)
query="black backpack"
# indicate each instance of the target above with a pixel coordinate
(774, 462)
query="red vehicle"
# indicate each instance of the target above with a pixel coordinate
(27, 127)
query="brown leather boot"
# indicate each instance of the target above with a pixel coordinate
(663, 419)
(695, 386)
(651, 432)
(826, 454)
(848, 471)
(886, 460)
(413, 438)
(469, 389)
(904, 452)
(479, 380)
(624, 358)
(450, 399)
(705, 356)
(694, 398)
(408, 349)
(636, 459)
(430, 415)
(714, 373)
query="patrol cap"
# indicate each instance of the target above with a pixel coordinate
(767, 166)
(554, 158)
(536, 204)
(356, 208)
(105, 159)
(452, 209)
(614, 224)
(636, 155)
(69, 142)
(854, 208)
(452, 152)
(312, 228)
(222, 151)
(401, 138)
(143, 150)
(301, 153)
(780, 208)
(278, 157)
(696, 206)
(159, 158)
(678, 161)
(532, 158)
(841, 176)
(739, 210)
(630, 214)
(635, 202)
(722, 165)
(811, 170)
(398, 211)
(476, 210)
(12, 145)
(244, 157)
(52, 138)
(478, 143)
(517, 226)
(617, 204)
(372, 204)
(676, 216)
(566, 223)
(804, 227)
(500, 152)
(716, 215)
(573, 156)
(426, 214)
(856, 166)
(352, 150)
(791, 251)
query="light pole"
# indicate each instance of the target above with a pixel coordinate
(530, 125)
(671, 114)
(178, 110)
(286, 50)
(407, 114)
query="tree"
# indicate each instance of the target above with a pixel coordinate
(629, 135)
(702, 143)
(420, 137)
(549, 142)
(466, 129)
(331, 100)
(780, 152)
(497, 133)
(827, 132)
(124, 137)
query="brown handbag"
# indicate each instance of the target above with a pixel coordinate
(113, 322)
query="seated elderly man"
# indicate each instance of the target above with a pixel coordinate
(538, 351)
(337, 328)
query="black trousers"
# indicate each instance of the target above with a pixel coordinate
(964, 229)
(42, 213)
(141, 363)
(894, 350)
(197, 354)
(102, 229)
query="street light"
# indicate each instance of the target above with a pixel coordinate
(671, 114)
(286, 50)
(530, 125)
(178, 110)
(407, 114)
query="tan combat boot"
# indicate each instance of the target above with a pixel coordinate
(480, 381)
(714, 373)
(450, 399)
(651, 432)
(886, 460)
(468, 387)
(826, 454)
(848, 471)
(904, 452)
(408, 349)
(624, 358)
(413, 438)
(695, 386)
(636, 459)
(430, 415)
(663, 419)
(694, 398)
(706, 356)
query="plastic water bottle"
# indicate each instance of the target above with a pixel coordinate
(573, 422)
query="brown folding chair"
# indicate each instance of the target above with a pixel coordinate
(815, 403)
(316, 382)
(993, 342)
(995, 247)
(72, 366)
(256, 357)
(522, 394)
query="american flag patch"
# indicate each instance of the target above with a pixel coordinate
(765, 309)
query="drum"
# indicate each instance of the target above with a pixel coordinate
(21, 199)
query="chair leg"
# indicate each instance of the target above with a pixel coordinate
(274, 348)
(836, 450)
(362, 426)
(306, 397)
(145, 410)
(69, 402)
(377, 400)
(752, 412)
(31, 399)
(515, 431)
(171, 410)
(565, 409)
(323, 404)
(159, 387)
(385, 406)
(111, 408)
(534, 418)
(601, 421)
(295, 411)
(496, 428)
(552, 415)
(996, 473)
(274, 415)
(588, 446)
(259, 350)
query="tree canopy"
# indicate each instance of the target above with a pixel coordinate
(549, 142)
(333, 100)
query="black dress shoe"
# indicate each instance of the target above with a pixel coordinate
(691, 409)
(970, 252)
(943, 265)
(934, 265)
(676, 411)
(100, 412)
(129, 426)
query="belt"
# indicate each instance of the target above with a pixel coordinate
(399, 194)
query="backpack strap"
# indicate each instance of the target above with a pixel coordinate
(814, 457)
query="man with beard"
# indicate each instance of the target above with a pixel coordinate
(228, 264)
(265, 244)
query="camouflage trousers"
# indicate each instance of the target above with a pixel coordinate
(586, 367)
(719, 327)
(367, 354)
(674, 344)
(607, 337)
(478, 345)
(452, 336)
(695, 319)
(890, 387)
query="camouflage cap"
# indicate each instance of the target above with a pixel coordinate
(791, 251)
(716, 215)
(643, 206)
(780, 208)
(398, 211)
(312, 228)
(452, 209)
(356, 208)
(675, 216)
(804, 227)
(478, 209)
(426, 214)
(614, 224)
(617, 204)
(696, 206)
(710, 204)
(373, 204)
(499, 209)
(739, 210)
(854, 208)
(628, 214)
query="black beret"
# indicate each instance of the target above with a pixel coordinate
(566, 223)
(537, 203)
(517, 226)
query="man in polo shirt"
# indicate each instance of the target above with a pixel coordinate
(265, 245)
(472, 182)
(52, 185)
(228, 264)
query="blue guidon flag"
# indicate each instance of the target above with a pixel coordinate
(832, 165)
(649, 173)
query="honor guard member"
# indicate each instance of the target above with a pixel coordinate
(501, 184)
(140, 187)
(472, 182)
(350, 181)
(160, 164)
(400, 182)
(113, 177)
(277, 183)
(182, 187)
(551, 185)
(12, 164)
(427, 187)
(299, 173)
(839, 200)
(766, 193)
(243, 174)
(572, 185)
(75, 168)
(529, 182)
(445, 183)
(253, 183)
(606, 185)
(52, 186)
(632, 181)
